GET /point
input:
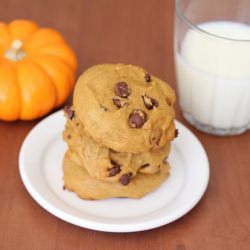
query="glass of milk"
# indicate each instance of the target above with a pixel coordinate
(212, 62)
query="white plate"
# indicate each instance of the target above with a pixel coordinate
(40, 164)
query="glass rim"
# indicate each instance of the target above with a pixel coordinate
(182, 15)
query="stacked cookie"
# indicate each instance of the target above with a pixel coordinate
(118, 133)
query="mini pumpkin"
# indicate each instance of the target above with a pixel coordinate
(37, 70)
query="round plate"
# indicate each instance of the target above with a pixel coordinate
(40, 164)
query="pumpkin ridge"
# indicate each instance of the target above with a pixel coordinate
(59, 58)
(5, 112)
(18, 87)
(70, 70)
(65, 46)
(68, 75)
(21, 29)
(52, 80)
(31, 40)
(35, 103)
(46, 44)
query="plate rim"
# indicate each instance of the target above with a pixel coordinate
(108, 227)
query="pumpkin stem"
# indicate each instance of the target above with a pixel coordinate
(15, 52)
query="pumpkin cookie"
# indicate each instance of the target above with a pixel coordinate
(124, 108)
(103, 163)
(77, 179)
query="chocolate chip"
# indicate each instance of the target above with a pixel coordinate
(148, 77)
(69, 113)
(116, 169)
(137, 118)
(69, 136)
(149, 102)
(126, 178)
(154, 102)
(120, 103)
(117, 103)
(176, 133)
(146, 165)
(122, 89)
(63, 187)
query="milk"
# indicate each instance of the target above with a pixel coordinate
(213, 75)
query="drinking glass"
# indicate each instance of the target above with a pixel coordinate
(212, 63)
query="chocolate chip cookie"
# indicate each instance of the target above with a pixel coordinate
(77, 179)
(118, 133)
(125, 108)
(103, 163)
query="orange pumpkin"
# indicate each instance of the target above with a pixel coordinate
(37, 70)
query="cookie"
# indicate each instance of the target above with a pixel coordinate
(103, 163)
(124, 108)
(77, 179)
